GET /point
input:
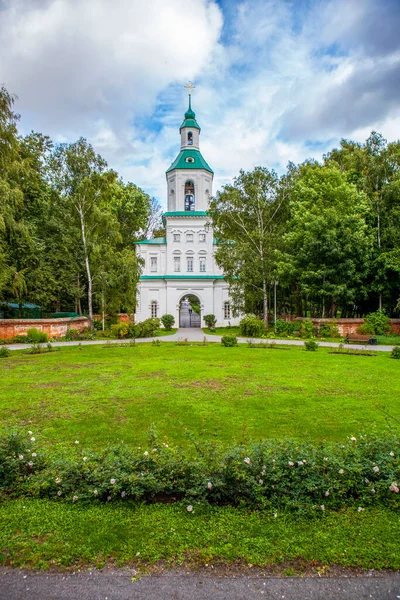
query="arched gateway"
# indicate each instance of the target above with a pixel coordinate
(177, 265)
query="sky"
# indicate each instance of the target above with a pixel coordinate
(276, 80)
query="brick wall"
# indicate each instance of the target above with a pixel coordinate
(346, 326)
(53, 327)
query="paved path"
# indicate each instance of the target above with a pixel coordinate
(197, 335)
(118, 585)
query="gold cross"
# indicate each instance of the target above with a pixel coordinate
(189, 86)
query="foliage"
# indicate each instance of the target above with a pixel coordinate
(210, 321)
(311, 345)
(146, 328)
(307, 329)
(375, 323)
(251, 326)
(284, 328)
(74, 335)
(229, 341)
(168, 322)
(34, 336)
(302, 477)
(329, 329)
(4, 352)
(120, 330)
(394, 354)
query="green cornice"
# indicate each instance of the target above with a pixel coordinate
(160, 240)
(186, 213)
(148, 277)
(198, 162)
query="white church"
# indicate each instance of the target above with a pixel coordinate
(180, 269)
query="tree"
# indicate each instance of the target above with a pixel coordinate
(247, 218)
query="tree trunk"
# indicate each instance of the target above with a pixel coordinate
(102, 309)
(87, 265)
(265, 297)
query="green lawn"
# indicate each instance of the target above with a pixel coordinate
(101, 395)
(42, 534)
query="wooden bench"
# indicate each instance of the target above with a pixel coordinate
(360, 338)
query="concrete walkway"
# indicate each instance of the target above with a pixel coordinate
(197, 335)
(123, 585)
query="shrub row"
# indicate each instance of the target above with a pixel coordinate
(269, 475)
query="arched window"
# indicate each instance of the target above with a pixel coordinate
(154, 308)
(189, 196)
(190, 139)
(227, 310)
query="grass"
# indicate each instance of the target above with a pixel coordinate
(43, 534)
(162, 332)
(102, 395)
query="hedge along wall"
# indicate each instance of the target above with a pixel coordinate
(346, 326)
(53, 327)
(122, 318)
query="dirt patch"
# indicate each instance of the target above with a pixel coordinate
(41, 386)
(207, 384)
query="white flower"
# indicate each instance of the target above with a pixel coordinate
(30, 432)
(108, 498)
(247, 460)
(59, 493)
(189, 508)
(30, 464)
(76, 442)
(28, 450)
(165, 445)
(75, 498)
(391, 453)
(265, 466)
(112, 481)
(290, 463)
(34, 454)
(95, 492)
(58, 480)
(32, 439)
(394, 488)
(123, 494)
(300, 463)
(341, 471)
(360, 508)
(376, 469)
(260, 481)
(21, 457)
(275, 515)
(154, 449)
(145, 453)
(263, 473)
(273, 460)
(366, 481)
(322, 507)
(209, 485)
(327, 493)
(84, 458)
(353, 439)
(373, 490)
(326, 458)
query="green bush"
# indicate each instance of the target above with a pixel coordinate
(394, 354)
(307, 329)
(284, 328)
(275, 474)
(34, 336)
(251, 326)
(74, 335)
(210, 321)
(329, 330)
(168, 322)
(4, 352)
(19, 339)
(229, 340)
(311, 345)
(377, 323)
(145, 328)
(120, 330)
(2, 341)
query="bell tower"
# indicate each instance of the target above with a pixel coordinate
(189, 178)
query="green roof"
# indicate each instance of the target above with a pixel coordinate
(198, 161)
(160, 240)
(186, 213)
(190, 118)
(181, 277)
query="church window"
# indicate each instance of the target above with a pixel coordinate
(189, 238)
(154, 309)
(202, 237)
(189, 196)
(190, 138)
(177, 237)
(177, 264)
(227, 310)
(153, 264)
(190, 264)
(202, 263)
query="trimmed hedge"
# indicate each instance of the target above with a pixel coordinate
(272, 474)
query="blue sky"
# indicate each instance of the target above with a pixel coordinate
(276, 80)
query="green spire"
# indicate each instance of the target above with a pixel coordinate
(190, 117)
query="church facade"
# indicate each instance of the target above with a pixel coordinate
(180, 267)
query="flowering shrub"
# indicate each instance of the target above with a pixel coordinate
(272, 474)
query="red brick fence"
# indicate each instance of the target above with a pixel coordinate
(9, 328)
(347, 326)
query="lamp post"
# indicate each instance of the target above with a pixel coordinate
(275, 284)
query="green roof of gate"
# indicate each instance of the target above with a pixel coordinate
(160, 240)
(198, 162)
